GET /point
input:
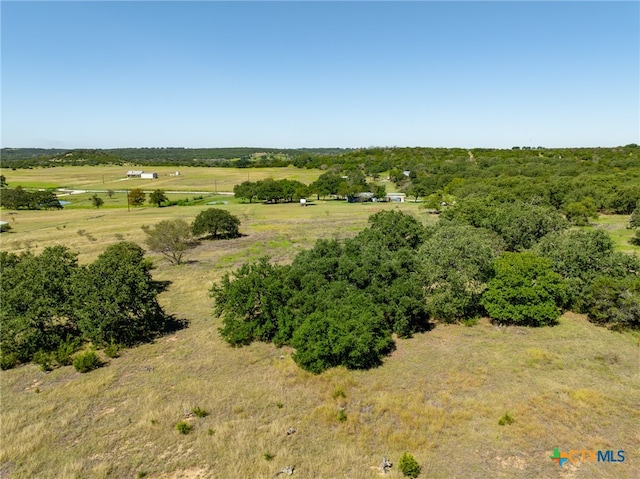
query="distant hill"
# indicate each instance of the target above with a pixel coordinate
(243, 157)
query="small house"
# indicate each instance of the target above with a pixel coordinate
(134, 173)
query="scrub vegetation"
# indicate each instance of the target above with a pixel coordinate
(347, 324)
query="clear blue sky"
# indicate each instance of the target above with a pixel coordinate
(320, 74)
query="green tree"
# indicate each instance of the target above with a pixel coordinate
(400, 230)
(456, 265)
(110, 193)
(251, 302)
(579, 212)
(217, 223)
(614, 302)
(579, 256)
(409, 466)
(327, 184)
(115, 298)
(36, 313)
(3, 181)
(172, 238)
(351, 332)
(97, 201)
(524, 290)
(634, 220)
(157, 197)
(136, 197)
(245, 190)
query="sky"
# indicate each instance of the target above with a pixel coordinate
(198, 74)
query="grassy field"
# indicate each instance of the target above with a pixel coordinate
(114, 177)
(439, 396)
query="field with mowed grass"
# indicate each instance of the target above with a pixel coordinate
(115, 177)
(439, 396)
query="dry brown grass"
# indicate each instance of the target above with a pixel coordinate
(439, 395)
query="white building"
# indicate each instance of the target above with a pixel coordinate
(149, 176)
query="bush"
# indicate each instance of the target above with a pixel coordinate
(409, 466)
(112, 350)
(184, 427)
(614, 302)
(199, 412)
(86, 362)
(506, 419)
(635, 240)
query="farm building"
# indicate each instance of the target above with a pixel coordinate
(395, 197)
(141, 174)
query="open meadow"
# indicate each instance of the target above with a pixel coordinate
(113, 177)
(439, 395)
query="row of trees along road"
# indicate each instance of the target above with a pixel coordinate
(339, 302)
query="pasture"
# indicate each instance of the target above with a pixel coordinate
(112, 177)
(438, 396)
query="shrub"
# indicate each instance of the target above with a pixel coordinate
(409, 466)
(342, 416)
(112, 350)
(199, 412)
(44, 360)
(339, 393)
(62, 356)
(268, 456)
(86, 362)
(506, 419)
(184, 427)
(635, 240)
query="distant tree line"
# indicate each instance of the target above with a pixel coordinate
(340, 302)
(51, 305)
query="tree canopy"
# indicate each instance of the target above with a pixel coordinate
(50, 304)
(216, 223)
(172, 238)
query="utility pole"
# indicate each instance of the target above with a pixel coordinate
(128, 206)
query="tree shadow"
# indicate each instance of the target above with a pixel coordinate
(161, 286)
(223, 237)
(173, 324)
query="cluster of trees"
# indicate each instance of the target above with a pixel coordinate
(172, 238)
(51, 305)
(339, 302)
(634, 224)
(348, 185)
(20, 199)
(271, 191)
